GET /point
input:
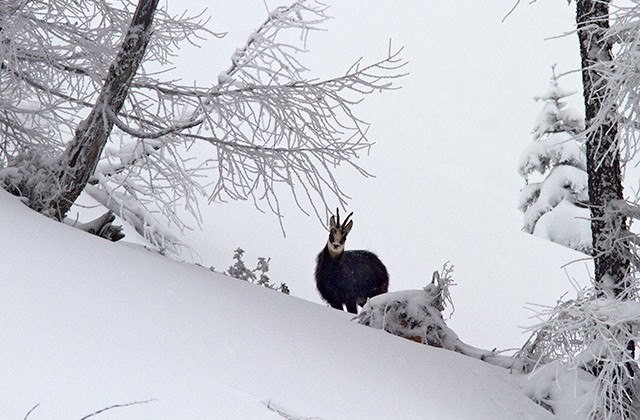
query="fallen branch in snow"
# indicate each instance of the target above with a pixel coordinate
(96, 413)
(116, 406)
(137, 215)
(102, 226)
(285, 414)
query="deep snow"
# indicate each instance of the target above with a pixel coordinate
(87, 324)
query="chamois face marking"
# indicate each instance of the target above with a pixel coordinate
(336, 242)
(337, 236)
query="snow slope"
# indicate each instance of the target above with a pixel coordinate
(88, 323)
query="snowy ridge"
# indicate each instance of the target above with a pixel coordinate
(89, 324)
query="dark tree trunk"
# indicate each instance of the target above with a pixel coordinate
(81, 155)
(608, 227)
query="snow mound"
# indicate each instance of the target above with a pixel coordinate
(568, 225)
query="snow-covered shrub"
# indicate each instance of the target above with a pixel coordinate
(257, 275)
(553, 204)
(417, 315)
(413, 314)
(553, 368)
(566, 392)
(588, 338)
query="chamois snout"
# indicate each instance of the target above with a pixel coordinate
(348, 278)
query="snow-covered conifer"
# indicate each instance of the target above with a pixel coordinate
(554, 168)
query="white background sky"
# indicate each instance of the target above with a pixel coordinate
(446, 153)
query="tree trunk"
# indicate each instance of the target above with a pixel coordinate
(611, 250)
(82, 154)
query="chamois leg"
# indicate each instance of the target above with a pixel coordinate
(352, 307)
(337, 306)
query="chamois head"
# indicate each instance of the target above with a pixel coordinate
(338, 233)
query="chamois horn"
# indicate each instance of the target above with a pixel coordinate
(345, 220)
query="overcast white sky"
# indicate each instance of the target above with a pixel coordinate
(445, 159)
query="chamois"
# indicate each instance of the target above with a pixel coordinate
(348, 277)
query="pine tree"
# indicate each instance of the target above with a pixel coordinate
(553, 206)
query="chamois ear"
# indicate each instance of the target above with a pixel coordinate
(347, 228)
(332, 222)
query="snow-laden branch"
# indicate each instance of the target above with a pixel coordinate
(554, 149)
(564, 182)
(267, 135)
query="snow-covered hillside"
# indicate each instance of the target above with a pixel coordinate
(87, 324)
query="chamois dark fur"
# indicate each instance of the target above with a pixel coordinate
(348, 278)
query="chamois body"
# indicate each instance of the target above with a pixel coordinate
(348, 278)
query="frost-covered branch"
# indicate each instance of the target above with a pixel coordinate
(590, 334)
(264, 58)
(55, 57)
(263, 128)
(621, 92)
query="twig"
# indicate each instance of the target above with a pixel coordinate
(116, 406)
(285, 415)
(31, 411)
